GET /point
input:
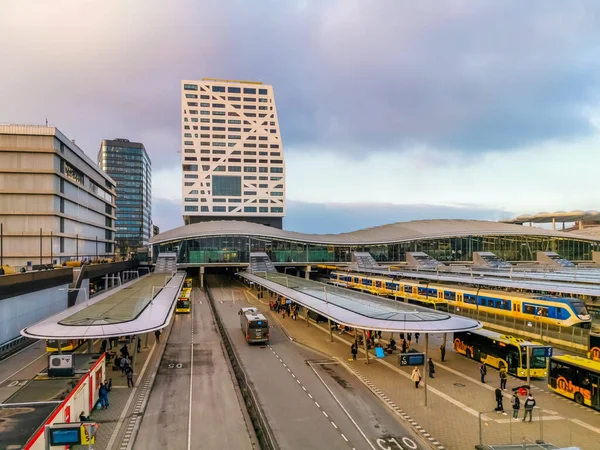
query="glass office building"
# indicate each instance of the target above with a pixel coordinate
(129, 165)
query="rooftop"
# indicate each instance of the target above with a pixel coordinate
(558, 216)
(396, 232)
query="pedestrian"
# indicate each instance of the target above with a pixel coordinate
(409, 337)
(443, 351)
(503, 377)
(516, 404)
(103, 346)
(529, 405)
(124, 364)
(416, 376)
(431, 368)
(124, 351)
(401, 336)
(482, 372)
(109, 385)
(499, 402)
(102, 396)
(283, 310)
(404, 346)
(354, 350)
(417, 338)
(82, 417)
(129, 373)
(157, 334)
(379, 333)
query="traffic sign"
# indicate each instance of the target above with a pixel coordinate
(412, 359)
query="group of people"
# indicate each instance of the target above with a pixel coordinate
(289, 309)
(416, 377)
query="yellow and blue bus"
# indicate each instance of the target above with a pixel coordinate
(561, 311)
(576, 378)
(497, 350)
(184, 303)
(594, 346)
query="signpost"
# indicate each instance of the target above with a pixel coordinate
(411, 359)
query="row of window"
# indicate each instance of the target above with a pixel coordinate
(230, 89)
(222, 209)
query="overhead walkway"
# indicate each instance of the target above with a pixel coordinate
(166, 263)
(137, 307)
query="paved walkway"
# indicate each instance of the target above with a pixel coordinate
(455, 396)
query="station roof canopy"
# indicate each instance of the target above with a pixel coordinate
(559, 216)
(385, 234)
(140, 306)
(358, 310)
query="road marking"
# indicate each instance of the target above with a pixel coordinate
(23, 368)
(303, 388)
(22, 350)
(318, 406)
(189, 446)
(343, 409)
(310, 396)
(334, 425)
(325, 414)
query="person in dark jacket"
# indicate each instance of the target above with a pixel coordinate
(499, 401)
(516, 404)
(443, 351)
(529, 405)
(482, 372)
(431, 368)
(354, 350)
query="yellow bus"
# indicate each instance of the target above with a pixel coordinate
(187, 283)
(577, 378)
(594, 346)
(184, 304)
(496, 350)
(66, 345)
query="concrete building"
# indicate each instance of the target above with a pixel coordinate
(55, 203)
(232, 157)
(129, 165)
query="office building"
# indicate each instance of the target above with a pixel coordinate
(232, 157)
(55, 202)
(129, 165)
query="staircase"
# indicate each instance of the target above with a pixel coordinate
(260, 262)
(166, 263)
(364, 260)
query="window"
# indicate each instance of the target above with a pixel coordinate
(193, 111)
(276, 194)
(204, 209)
(234, 121)
(249, 91)
(219, 208)
(263, 169)
(205, 128)
(190, 87)
(194, 191)
(191, 199)
(234, 169)
(189, 208)
(250, 114)
(204, 120)
(191, 158)
(73, 174)
(219, 136)
(218, 105)
(219, 113)
(191, 95)
(250, 153)
(205, 97)
(219, 129)
(218, 89)
(251, 138)
(263, 200)
(262, 108)
(279, 186)
(219, 169)
(262, 145)
(272, 124)
(249, 99)
(62, 186)
(249, 178)
(204, 105)
(249, 145)
(192, 103)
(263, 153)
(235, 200)
(250, 209)
(262, 100)
(263, 161)
(252, 161)
(187, 135)
(219, 144)
(273, 131)
(262, 92)
(62, 244)
(191, 175)
(263, 209)
(263, 186)
(276, 169)
(275, 154)
(218, 120)
(219, 200)
(249, 169)
(234, 99)
(276, 161)
(262, 138)
(234, 136)
(189, 183)
(276, 209)
(249, 106)
(230, 186)
(234, 90)
(235, 160)
(249, 192)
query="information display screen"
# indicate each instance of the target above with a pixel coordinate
(66, 436)
(412, 359)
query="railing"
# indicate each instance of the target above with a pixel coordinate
(13, 346)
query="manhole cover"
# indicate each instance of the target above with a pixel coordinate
(459, 385)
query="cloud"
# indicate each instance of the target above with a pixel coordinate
(323, 218)
(166, 214)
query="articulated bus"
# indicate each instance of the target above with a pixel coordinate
(66, 345)
(561, 311)
(594, 346)
(184, 303)
(496, 350)
(576, 378)
(254, 325)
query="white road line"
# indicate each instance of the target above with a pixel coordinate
(318, 406)
(343, 409)
(22, 350)
(189, 446)
(23, 368)
(334, 425)
(310, 396)
(325, 414)
(303, 388)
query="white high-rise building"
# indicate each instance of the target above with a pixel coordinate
(232, 155)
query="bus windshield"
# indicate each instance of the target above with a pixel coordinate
(183, 304)
(538, 358)
(256, 324)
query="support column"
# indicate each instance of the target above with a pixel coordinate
(106, 282)
(580, 224)
(134, 352)
(426, 368)
(59, 344)
(365, 344)
(307, 272)
(330, 332)
(307, 322)
(553, 224)
(146, 340)
(90, 346)
(201, 277)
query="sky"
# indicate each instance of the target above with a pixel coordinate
(389, 111)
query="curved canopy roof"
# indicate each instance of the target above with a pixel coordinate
(395, 232)
(559, 216)
(131, 309)
(358, 310)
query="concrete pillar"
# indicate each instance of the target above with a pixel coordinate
(365, 344)
(90, 346)
(134, 351)
(307, 272)
(202, 277)
(580, 224)
(106, 282)
(553, 224)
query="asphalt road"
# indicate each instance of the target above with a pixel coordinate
(309, 401)
(193, 404)
(19, 368)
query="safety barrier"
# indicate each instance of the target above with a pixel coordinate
(13, 346)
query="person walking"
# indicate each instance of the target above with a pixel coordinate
(354, 350)
(529, 405)
(416, 376)
(417, 338)
(129, 373)
(157, 335)
(124, 364)
(124, 351)
(103, 346)
(503, 377)
(409, 337)
(139, 345)
(499, 401)
(404, 346)
(516, 404)
(482, 372)
(431, 368)
(443, 352)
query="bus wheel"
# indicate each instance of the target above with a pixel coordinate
(579, 398)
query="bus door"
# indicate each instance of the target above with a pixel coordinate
(513, 360)
(595, 384)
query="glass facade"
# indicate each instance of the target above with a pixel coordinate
(236, 248)
(129, 165)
